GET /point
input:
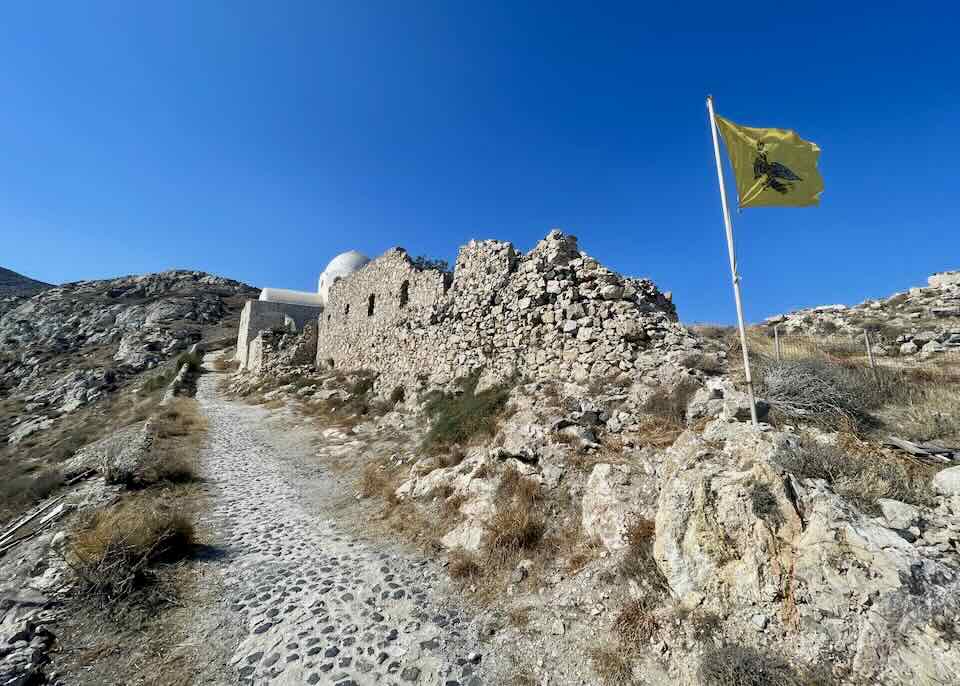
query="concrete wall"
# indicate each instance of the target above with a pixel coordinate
(260, 315)
(551, 313)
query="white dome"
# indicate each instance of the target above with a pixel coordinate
(342, 265)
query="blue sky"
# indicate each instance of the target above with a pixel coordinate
(257, 140)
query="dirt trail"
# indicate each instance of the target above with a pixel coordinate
(314, 603)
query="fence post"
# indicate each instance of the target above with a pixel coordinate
(873, 365)
(776, 338)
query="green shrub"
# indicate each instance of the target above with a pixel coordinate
(422, 262)
(458, 418)
(192, 361)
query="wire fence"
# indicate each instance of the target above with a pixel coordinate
(863, 347)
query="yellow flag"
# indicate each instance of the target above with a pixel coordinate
(774, 167)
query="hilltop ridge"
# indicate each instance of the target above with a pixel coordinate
(14, 284)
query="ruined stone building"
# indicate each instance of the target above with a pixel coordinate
(551, 313)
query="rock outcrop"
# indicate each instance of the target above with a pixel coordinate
(739, 535)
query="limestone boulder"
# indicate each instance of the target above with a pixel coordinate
(947, 481)
(613, 497)
(720, 398)
(737, 534)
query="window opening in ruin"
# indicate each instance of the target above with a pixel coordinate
(346, 310)
(370, 305)
(404, 293)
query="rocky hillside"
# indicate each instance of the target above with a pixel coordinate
(13, 284)
(67, 347)
(15, 287)
(923, 320)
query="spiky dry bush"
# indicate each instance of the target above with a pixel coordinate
(816, 391)
(611, 664)
(858, 473)
(115, 549)
(732, 664)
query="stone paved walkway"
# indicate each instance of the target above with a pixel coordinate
(318, 606)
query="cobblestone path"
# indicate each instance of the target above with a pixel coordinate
(315, 604)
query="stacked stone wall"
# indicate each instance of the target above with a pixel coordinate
(262, 315)
(552, 313)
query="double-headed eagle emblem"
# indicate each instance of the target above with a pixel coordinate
(779, 177)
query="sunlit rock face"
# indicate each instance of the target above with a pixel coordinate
(340, 266)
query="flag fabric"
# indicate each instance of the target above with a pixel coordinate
(774, 167)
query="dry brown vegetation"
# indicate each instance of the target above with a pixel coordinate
(611, 664)
(115, 549)
(225, 364)
(518, 525)
(730, 664)
(859, 472)
(179, 432)
(828, 383)
(665, 414)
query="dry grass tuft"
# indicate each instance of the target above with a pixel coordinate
(21, 492)
(376, 479)
(670, 404)
(611, 664)
(860, 473)
(223, 364)
(730, 664)
(638, 562)
(114, 549)
(518, 617)
(519, 523)
(179, 433)
(635, 624)
(464, 565)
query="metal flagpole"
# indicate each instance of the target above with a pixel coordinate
(733, 262)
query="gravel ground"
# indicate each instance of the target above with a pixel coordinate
(316, 604)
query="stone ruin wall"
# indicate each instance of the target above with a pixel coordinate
(552, 313)
(261, 316)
